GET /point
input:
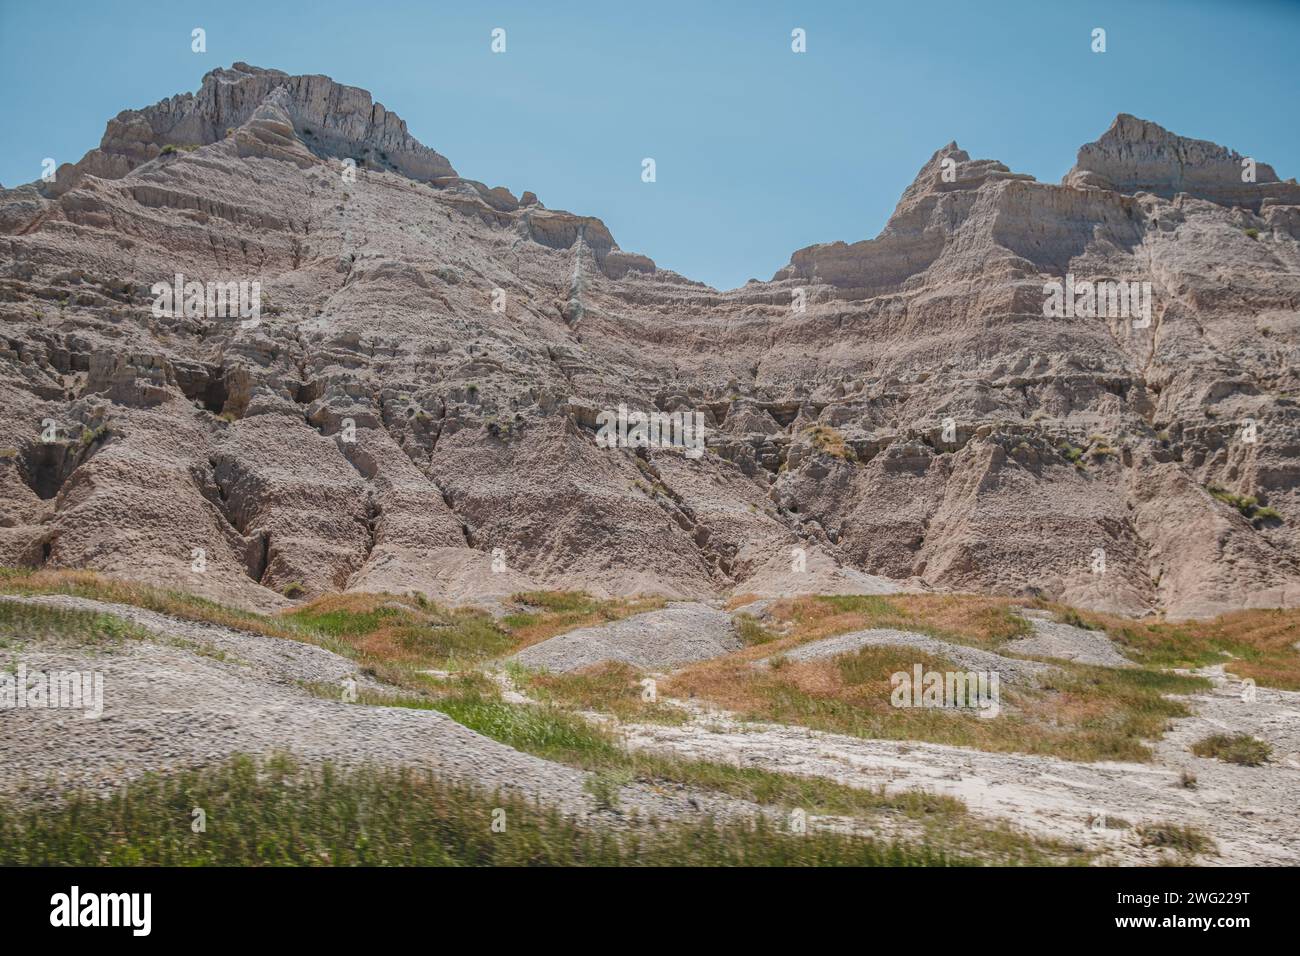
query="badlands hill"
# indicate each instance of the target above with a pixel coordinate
(419, 400)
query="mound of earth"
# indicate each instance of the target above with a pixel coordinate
(198, 693)
(1056, 639)
(1009, 669)
(658, 640)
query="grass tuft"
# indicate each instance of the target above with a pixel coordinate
(1185, 840)
(1241, 749)
(280, 813)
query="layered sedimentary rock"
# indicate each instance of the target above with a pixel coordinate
(1135, 155)
(417, 404)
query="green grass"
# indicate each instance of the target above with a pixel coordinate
(544, 614)
(1258, 644)
(562, 602)
(1185, 840)
(549, 732)
(1072, 617)
(1240, 749)
(541, 730)
(613, 688)
(385, 628)
(751, 632)
(20, 623)
(279, 813)
(981, 622)
(856, 604)
(1247, 505)
(1074, 712)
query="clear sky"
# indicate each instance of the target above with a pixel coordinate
(758, 150)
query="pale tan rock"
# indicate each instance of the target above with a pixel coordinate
(417, 404)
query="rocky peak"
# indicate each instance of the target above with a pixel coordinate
(827, 395)
(329, 118)
(1137, 155)
(911, 240)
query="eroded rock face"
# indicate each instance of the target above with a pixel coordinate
(328, 117)
(416, 407)
(1136, 155)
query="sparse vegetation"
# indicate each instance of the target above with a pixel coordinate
(1083, 713)
(751, 632)
(279, 813)
(1071, 616)
(548, 613)
(393, 636)
(1079, 713)
(1240, 749)
(555, 734)
(21, 624)
(610, 688)
(1186, 840)
(604, 786)
(401, 636)
(967, 619)
(1248, 505)
(91, 435)
(1259, 644)
(827, 439)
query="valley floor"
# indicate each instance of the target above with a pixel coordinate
(182, 691)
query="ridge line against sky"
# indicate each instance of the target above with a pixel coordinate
(759, 150)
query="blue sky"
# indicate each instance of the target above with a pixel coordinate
(759, 150)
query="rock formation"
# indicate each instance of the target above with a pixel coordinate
(417, 404)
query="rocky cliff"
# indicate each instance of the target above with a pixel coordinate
(417, 405)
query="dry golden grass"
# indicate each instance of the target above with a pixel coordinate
(88, 584)
(555, 612)
(1082, 713)
(964, 618)
(609, 688)
(403, 631)
(740, 600)
(827, 439)
(1259, 644)
(392, 636)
